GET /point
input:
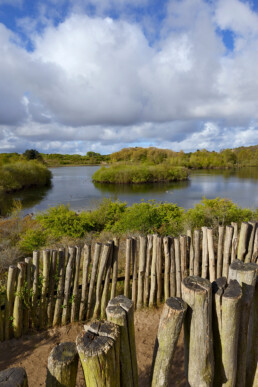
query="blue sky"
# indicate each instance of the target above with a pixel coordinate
(101, 75)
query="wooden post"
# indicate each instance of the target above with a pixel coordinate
(243, 240)
(170, 325)
(183, 255)
(18, 302)
(226, 251)
(27, 301)
(196, 252)
(248, 257)
(105, 293)
(245, 274)
(199, 361)
(205, 262)
(159, 269)
(99, 349)
(142, 263)
(93, 276)
(52, 285)
(14, 377)
(85, 274)
(255, 249)
(153, 286)
(128, 260)
(67, 287)
(45, 285)
(167, 267)
(172, 269)
(60, 287)
(35, 285)
(212, 267)
(135, 268)
(1, 326)
(178, 267)
(252, 352)
(120, 311)
(103, 263)
(234, 241)
(220, 251)
(114, 267)
(147, 270)
(75, 295)
(62, 366)
(191, 252)
(226, 322)
(9, 300)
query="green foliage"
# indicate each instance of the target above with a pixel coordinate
(139, 173)
(32, 154)
(22, 174)
(33, 240)
(57, 159)
(214, 212)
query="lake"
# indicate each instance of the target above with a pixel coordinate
(73, 185)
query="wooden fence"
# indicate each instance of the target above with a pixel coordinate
(75, 284)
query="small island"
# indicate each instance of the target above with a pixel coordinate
(139, 174)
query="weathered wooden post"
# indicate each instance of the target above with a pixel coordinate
(243, 240)
(252, 343)
(191, 252)
(226, 251)
(234, 241)
(220, 251)
(99, 351)
(93, 276)
(199, 360)
(178, 267)
(18, 302)
(248, 257)
(142, 263)
(245, 274)
(147, 270)
(172, 269)
(226, 321)
(105, 293)
(120, 311)
(85, 274)
(9, 300)
(103, 263)
(159, 269)
(170, 325)
(35, 284)
(135, 268)
(45, 286)
(153, 286)
(212, 267)
(167, 267)
(60, 287)
(75, 292)
(128, 261)
(197, 252)
(52, 285)
(62, 366)
(205, 262)
(67, 287)
(114, 267)
(183, 255)
(14, 377)
(255, 249)
(27, 298)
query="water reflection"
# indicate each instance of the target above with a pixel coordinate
(140, 188)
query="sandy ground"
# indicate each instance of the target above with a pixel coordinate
(31, 351)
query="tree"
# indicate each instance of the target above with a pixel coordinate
(32, 154)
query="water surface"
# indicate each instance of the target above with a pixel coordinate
(74, 185)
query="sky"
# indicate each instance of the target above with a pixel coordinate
(101, 75)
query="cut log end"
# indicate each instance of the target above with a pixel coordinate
(197, 284)
(14, 377)
(233, 290)
(176, 304)
(64, 353)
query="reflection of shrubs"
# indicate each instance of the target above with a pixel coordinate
(23, 174)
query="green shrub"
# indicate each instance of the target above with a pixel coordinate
(33, 240)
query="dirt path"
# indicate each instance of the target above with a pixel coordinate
(31, 351)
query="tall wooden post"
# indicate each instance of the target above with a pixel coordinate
(253, 226)
(60, 287)
(252, 353)
(245, 274)
(226, 251)
(167, 267)
(93, 276)
(99, 351)
(183, 255)
(178, 267)
(105, 294)
(121, 312)
(153, 287)
(205, 262)
(45, 286)
(135, 269)
(197, 252)
(234, 241)
(170, 325)
(199, 360)
(18, 302)
(220, 251)
(75, 292)
(85, 274)
(191, 252)
(141, 272)
(35, 290)
(243, 241)
(128, 261)
(172, 269)
(9, 300)
(212, 267)
(102, 267)
(67, 287)
(159, 269)
(147, 270)
(114, 267)
(52, 286)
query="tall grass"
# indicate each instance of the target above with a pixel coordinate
(139, 173)
(23, 174)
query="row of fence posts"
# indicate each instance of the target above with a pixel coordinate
(220, 338)
(57, 287)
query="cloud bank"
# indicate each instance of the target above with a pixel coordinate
(96, 82)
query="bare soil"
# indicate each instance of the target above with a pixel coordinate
(32, 351)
